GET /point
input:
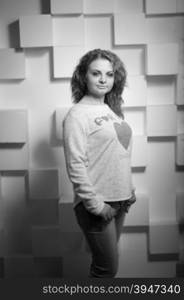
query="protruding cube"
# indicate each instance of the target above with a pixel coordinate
(139, 158)
(135, 93)
(136, 25)
(14, 157)
(46, 241)
(35, 31)
(65, 60)
(180, 150)
(179, 6)
(163, 239)
(180, 90)
(68, 31)
(180, 207)
(13, 126)
(44, 211)
(98, 6)
(62, 7)
(97, 32)
(128, 6)
(44, 184)
(48, 267)
(18, 267)
(160, 7)
(136, 119)
(12, 64)
(161, 120)
(162, 59)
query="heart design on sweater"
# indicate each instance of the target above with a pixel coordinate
(124, 133)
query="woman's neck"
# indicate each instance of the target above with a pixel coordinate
(92, 100)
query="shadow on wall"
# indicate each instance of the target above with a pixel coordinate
(14, 36)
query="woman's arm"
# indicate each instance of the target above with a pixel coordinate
(75, 146)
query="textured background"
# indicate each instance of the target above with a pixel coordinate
(40, 43)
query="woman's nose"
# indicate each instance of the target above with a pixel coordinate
(102, 79)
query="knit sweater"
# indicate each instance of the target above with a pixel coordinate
(97, 147)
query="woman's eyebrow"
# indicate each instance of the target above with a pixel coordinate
(97, 70)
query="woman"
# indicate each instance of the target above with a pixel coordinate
(97, 144)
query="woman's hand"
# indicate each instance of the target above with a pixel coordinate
(130, 201)
(108, 212)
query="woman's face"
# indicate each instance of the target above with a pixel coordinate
(100, 77)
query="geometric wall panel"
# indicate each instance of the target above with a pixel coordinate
(2, 242)
(12, 64)
(180, 120)
(138, 214)
(48, 267)
(46, 241)
(135, 93)
(163, 239)
(17, 242)
(180, 90)
(44, 184)
(44, 211)
(160, 7)
(136, 118)
(130, 6)
(63, 7)
(35, 219)
(180, 208)
(162, 59)
(161, 120)
(14, 202)
(73, 36)
(1, 209)
(60, 115)
(102, 25)
(19, 267)
(13, 126)
(179, 6)
(180, 150)
(136, 25)
(35, 31)
(161, 180)
(13, 157)
(98, 6)
(65, 60)
(161, 90)
(139, 158)
(163, 29)
(17, 238)
(134, 259)
(76, 265)
(133, 58)
(71, 242)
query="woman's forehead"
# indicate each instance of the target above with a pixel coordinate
(101, 63)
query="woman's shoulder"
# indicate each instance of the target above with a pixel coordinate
(76, 111)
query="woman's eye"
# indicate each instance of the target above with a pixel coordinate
(110, 74)
(95, 73)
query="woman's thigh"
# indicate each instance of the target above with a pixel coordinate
(101, 235)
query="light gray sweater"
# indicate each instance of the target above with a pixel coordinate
(97, 146)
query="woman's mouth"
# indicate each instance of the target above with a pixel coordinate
(101, 87)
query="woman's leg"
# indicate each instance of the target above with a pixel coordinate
(120, 219)
(102, 239)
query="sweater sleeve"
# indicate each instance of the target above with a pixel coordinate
(75, 146)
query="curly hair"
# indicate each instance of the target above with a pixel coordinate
(78, 81)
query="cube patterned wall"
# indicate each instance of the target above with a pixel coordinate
(39, 235)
